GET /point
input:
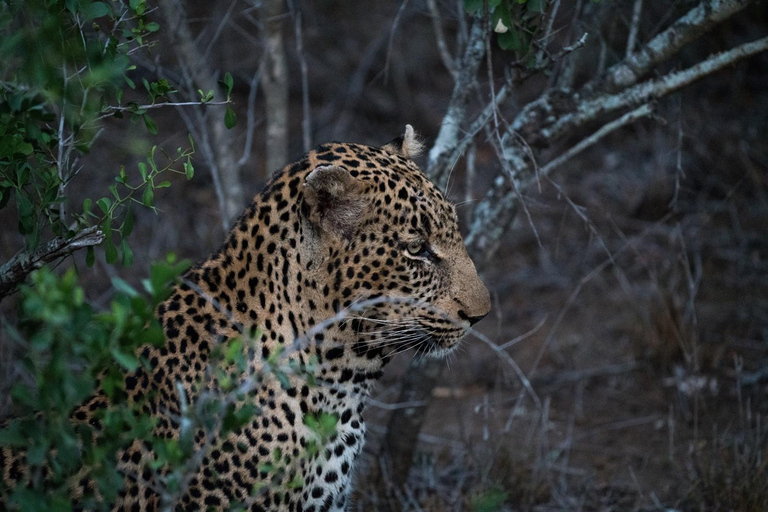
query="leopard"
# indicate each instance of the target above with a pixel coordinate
(346, 258)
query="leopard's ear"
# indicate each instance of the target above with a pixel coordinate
(408, 144)
(334, 199)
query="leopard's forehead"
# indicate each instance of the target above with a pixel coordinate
(388, 175)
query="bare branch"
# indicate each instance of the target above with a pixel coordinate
(275, 83)
(439, 156)
(652, 89)
(306, 122)
(497, 209)
(698, 21)
(551, 15)
(458, 150)
(250, 119)
(219, 28)
(217, 141)
(120, 108)
(60, 163)
(17, 268)
(392, 31)
(629, 117)
(634, 28)
(587, 373)
(511, 362)
(442, 46)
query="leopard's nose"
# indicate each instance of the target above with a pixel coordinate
(474, 319)
(471, 319)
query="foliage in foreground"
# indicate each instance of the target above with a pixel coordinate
(69, 348)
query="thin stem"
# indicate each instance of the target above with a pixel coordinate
(442, 46)
(634, 27)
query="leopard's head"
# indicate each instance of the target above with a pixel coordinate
(390, 244)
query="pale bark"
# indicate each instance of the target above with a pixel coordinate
(15, 270)
(559, 113)
(274, 79)
(439, 163)
(694, 24)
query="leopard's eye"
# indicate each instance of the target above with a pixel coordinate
(417, 248)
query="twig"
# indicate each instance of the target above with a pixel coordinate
(22, 263)
(629, 117)
(696, 22)
(652, 89)
(306, 122)
(469, 179)
(216, 140)
(391, 42)
(511, 362)
(547, 31)
(120, 108)
(250, 119)
(439, 156)
(495, 211)
(458, 149)
(634, 27)
(588, 373)
(525, 336)
(222, 23)
(60, 162)
(442, 46)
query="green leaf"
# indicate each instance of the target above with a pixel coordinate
(228, 83)
(510, 40)
(150, 124)
(11, 435)
(26, 211)
(230, 118)
(127, 253)
(128, 361)
(152, 26)
(121, 286)
(25, 148)
(472, 6)
(127, 227)
(94, 10)
(164, 184)
(489, 501)
(143, 171)
(189, 171)
(110, 251)
(148, 196)
(104, 203)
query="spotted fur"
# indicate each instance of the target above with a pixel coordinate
(350, 255)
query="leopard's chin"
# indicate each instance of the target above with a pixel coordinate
(444, 348)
